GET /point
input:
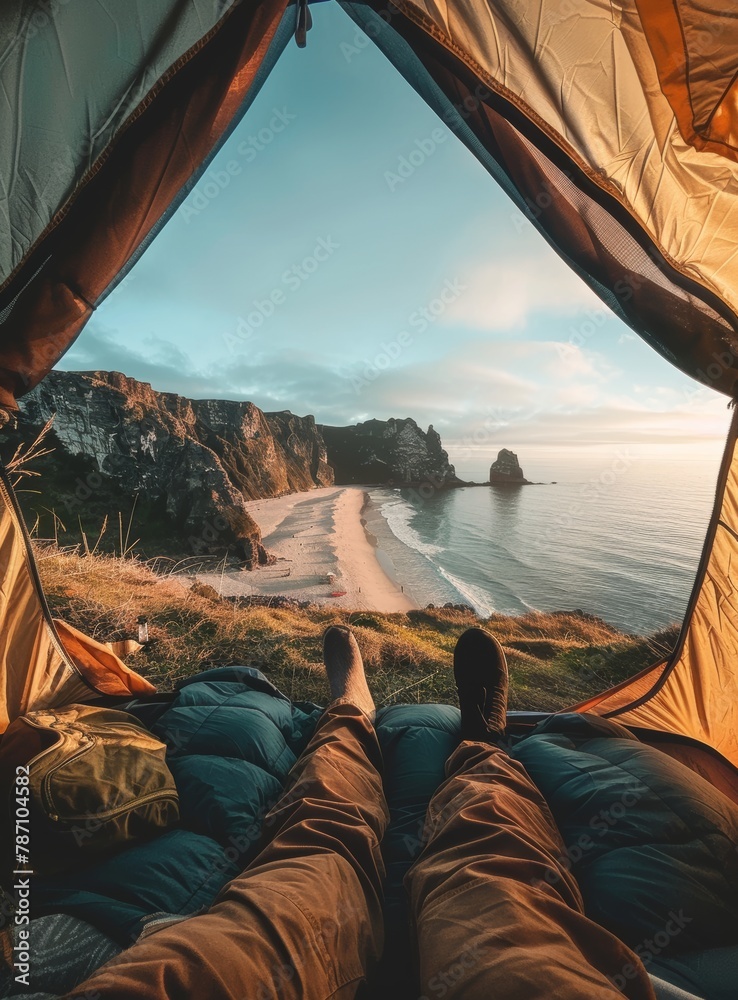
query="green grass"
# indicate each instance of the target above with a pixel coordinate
(555, 659)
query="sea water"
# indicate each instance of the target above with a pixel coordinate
(618, 534)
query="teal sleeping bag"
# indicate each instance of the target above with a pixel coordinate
(653, 845)
(232, 738)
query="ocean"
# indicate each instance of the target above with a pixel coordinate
(618, 534)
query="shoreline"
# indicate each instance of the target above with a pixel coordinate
(325, 554)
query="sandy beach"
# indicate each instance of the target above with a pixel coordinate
(323, 552)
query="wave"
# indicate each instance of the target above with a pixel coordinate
(617, 554)
(398, 514)
(477, 597)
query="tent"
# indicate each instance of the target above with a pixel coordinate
(614, 129)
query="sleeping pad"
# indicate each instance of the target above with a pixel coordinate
(653, 845)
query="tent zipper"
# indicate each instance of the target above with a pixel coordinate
(303, 23)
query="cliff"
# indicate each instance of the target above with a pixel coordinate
(181, 470)
(189, 464)
(390, 452)
(505, 470)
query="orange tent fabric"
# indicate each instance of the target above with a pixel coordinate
(695, 55)
(695, 693)
(45, 664)
(99, 665)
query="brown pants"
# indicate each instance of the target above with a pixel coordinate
(496, 912)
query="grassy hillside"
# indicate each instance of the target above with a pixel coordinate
(555, 659)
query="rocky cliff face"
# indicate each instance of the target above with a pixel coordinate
(190, 464)
(388, 451)
(506, 469)
(181, 470)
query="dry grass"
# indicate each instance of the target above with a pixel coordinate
(555, 659)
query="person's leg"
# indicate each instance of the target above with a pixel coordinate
(305, 919)
(497, 912)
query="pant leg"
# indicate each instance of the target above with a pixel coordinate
(304, 920)
(497, 914)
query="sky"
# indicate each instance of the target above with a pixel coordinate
(346, 256)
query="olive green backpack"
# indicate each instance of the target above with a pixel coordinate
(91, 779)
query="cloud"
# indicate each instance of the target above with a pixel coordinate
(285, 380)
(481, 395)
(160, 362)
(612, 423)
(504, 293)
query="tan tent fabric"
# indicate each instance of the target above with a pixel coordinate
(584, 75)
(123, 647)
(696, 694)
(34, 669)
(37, 668)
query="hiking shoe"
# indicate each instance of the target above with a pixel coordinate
(482, 679)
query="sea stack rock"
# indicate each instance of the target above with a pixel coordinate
(506, 470)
